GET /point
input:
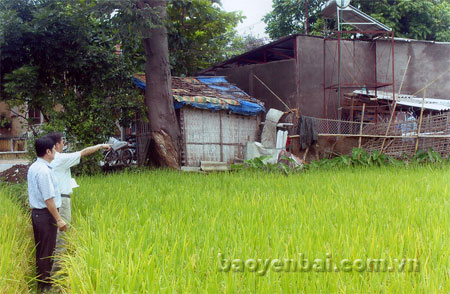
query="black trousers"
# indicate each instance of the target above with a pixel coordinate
(44, 229)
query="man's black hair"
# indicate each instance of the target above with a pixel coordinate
(42, 144)
(55, 136)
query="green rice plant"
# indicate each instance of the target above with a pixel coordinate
(16, 245)
(166, 231)
(18, 193)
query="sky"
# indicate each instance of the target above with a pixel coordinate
(254, 10)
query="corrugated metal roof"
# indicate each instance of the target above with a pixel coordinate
(410, 100)
(281, 49)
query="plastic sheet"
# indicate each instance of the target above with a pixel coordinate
(244, 107)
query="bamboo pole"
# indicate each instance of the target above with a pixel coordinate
(395, 105)
(378, 136)
(432, 82)
(272, 92)
(361, 125)
(421, 117)
(389, 125)
(404, 74)
(389, 144)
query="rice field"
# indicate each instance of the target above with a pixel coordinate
(374, 230)
(349, 231)
(16, 243)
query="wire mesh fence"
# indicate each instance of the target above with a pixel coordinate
(398, 138)
(339, 127)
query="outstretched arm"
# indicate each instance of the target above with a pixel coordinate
(95, 148)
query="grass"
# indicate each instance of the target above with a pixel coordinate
(16, 244)
(162, 231)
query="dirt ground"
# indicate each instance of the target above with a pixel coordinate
(15, 174)
(325, 147)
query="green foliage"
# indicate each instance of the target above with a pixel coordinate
(130, 25)
(59, 57)
(288, 17)
(5, 122)
(199, 33)
(358, 158)
(257, 163)
(361, 158)
(429, 156)
(242, 44)
(422, 20)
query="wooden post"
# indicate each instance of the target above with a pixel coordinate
(221, 136)
(305, 154)
(351, 109)
(389, 125)
(377, 136)
(267, 87)
(421, 117)
(395, 104)
(361, 125)
(404, 74)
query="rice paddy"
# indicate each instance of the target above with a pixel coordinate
(338, 231)
(15, 245)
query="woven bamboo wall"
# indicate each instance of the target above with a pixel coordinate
(432, 125)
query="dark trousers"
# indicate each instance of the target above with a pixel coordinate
(44, 229)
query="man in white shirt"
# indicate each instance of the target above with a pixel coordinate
(61, 168)
(45, 200)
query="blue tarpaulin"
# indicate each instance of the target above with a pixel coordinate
(219, 83)
(212, 81)
(139, 83)
(247, 108)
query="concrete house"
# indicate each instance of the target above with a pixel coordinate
(13, 131)
(302, 70)
(329, 79)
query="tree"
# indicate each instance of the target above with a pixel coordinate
(58, 58)
(164, 128)
(199, 33)
(62, 52)
(424, 20)
(242, 44)
(141, 24)
(289, 17)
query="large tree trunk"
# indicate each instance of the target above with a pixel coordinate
(165, 147)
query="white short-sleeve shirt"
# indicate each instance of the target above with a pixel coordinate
(42, 185)
(61, 168)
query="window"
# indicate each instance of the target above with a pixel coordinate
(34, 115)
